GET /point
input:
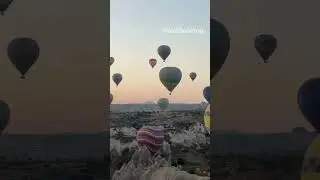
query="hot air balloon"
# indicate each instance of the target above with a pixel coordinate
(4, 5)
(311, 162)
(111, 60)
(164, 52)
(308, 98)
(163, 103)
(207, 118)
(117, 78)
(151, 137)
(4, 115)
(219, 46)
(111, 98)
(203, 105)
(23, 52)
(207, 93)
(152, 62)
(193, 75)
(265, 44)
(170, 77)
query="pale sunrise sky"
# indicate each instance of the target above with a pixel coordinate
(136, 31)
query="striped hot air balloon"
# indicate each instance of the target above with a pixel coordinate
(151, 137)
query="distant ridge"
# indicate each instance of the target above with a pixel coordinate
(154, 107)
(149, 102)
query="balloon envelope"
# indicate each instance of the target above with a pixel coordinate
(4, 5)
(152, 62)
(151, 137)
(310, 165)
(193, 76)
(111, 98)
(23, 52)
(170, 77)
(117, 78)
(207, 93)
(164, 52)
(203, 105)
(207, 118)
(308, 98)
(111, 60)
(219, 46)
(265, 45)
(4, 115)
(163, 103)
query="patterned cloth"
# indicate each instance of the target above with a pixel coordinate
(151, 137)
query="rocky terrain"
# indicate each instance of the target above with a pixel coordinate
(264, 157)
(191, 158)
(233, 156)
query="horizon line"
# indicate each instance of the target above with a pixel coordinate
(152, 103)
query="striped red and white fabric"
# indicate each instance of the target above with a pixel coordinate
(151, 137)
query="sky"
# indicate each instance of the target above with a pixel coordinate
(136, 31)
(253, 97)
(66, 89)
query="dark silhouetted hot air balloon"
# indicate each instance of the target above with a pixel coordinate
(170, 77)
(308, 98)
(111, 98)
(111, 61)
(219, 46)
(207, 93)
(4, 115)
(164, 52)
(265, 45)
(152, 62)
(4, 5)
(117, 78)
(23, 52)
(193, 76)
(163, 103)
